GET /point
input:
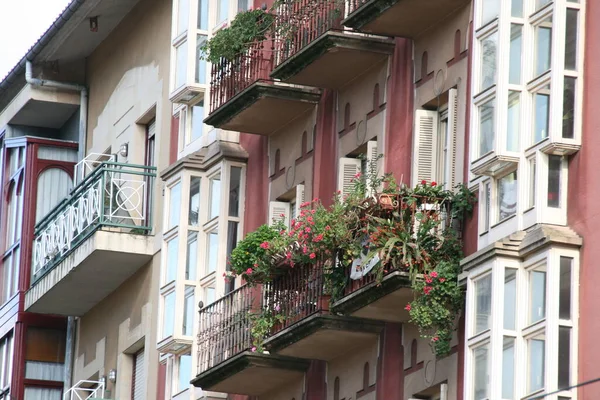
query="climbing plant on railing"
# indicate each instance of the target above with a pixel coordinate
(384, 225)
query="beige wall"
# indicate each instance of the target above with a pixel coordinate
(290, 391)
(350, 370)
(128, 76)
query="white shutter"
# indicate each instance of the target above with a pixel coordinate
(372, 156)
(299, 199)
(151, 128)
(347, 170)
(139, 378)
(279, 211)
(424, 146)
(450, 169)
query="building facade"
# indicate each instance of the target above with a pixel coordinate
(131, 167)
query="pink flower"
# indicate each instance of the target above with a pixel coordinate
(435, 339)
(358, 174)
(442, 280)
(312, 255)
(318, 238)
(277, 308)
(427, 289)
(282, 215)
(315, 200)
(264, 245)
(307, 229)
(305, 249)
(327, 228)
(305, 204)
(433, 274)
(428, 279)
(253, 349)
(249, 271)
(288, 255)
(407, 308)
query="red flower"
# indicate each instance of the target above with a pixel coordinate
(249, 271)
(288, 255)
(264, 245)
(435, 339)
(427, 289)
(307, 229)
(318, 238)
(407, 308)
(312, 255)
(423, 182)
(433, 184)
(433, 274)
(428, 279)
(327, 228)
(442, 280)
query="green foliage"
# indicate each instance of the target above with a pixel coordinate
(246, 28)
(261, 326)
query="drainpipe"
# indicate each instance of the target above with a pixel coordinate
(83, 103)
(44, 83)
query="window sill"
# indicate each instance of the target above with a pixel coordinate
(503, 221)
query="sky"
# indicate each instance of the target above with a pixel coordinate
(22, 22)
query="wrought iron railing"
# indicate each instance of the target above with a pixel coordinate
(230, 77)
(112, 195)
(225, 327)
(85, 390)
(296, 294)
(300, 22)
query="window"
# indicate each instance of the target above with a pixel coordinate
(483, 293)
(537, 292)
(513, 126)
(6, 363)
(215, 196)
(532, 183)
(541, 105)
(481, 387)
(197, 124)
(138, 377)
(508, 368)
(543, 46)
(536, 361)
(194, 208)
(181, 54)
(486, 127)
(189, 309)
(174, 205)
(286, 212)
(169, 314)
(182, 373)
(554, 169)
(489, 49)
(510, 299)
(45, 354)
(507, 196)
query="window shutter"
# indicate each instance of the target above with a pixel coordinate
(299, 199)
(348, 168)
(139, 379)
(276, 210)
(151, 128)
(372, 155)
(451, 172)
(424, 146)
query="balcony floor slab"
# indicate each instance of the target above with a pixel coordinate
(334, 59)
(402, 18)
(323, 337)
(383, 301)
(251, 374)
(264, 108)
(89, 273)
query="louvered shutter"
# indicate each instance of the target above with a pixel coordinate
(372, 163)
(151, 128)
(348, 168)
(139, 378)
(279, 211)
(425, 146)
(299, 199)
(451, 172)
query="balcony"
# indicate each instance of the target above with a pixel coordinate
(244, 98)
(317, 52)
(84, 390)
(403, 18)
(225, 361)
(309, 330)
(93, 241)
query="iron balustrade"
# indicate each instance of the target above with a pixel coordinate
(225, 327)
(113, 195)
(230, 77)
(300, 22)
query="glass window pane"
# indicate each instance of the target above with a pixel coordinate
(568, 119)
(514, 69)
(564, 299)
(174, 205)
(234, 191)
(222, 10)
(537, 291)
(169, 315)
(172, 259)
(542, 114)
(192, 256)
(554, 168)
(215, 196)
(200, 62)
(532, 182)
(564, 356)
(516, 8)
(480, 368)
(41, 393)
(483, 301)
(197, 120)
(510, 298)
(489, 10)
(210, 295)
(202, 15)
(213, 251)
(536, 364)
(508, 368)
(181, 65)
(507, 196)
(194, 211)
(571, 40)
(488, 202)
(541, 3)
(486, 127)
(242, 5)
(185, 371)
(188, 311)
(543, 45)
(183, 16)
(514, 121)
(489, 50)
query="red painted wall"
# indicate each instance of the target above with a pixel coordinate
(257, 181)
(583, 216)
(390, 374)
(324, 184)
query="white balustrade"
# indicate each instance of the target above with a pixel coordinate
(85, 390)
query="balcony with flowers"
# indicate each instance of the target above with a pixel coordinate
(402, 18)
(313, 48)
(94, 240)
(243, 96)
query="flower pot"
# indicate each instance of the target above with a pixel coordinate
(388, 201)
